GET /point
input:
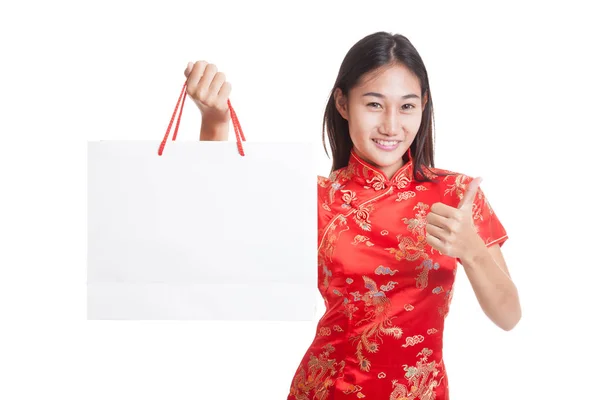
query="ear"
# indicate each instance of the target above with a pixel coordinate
(341, 103)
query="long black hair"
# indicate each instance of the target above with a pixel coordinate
(368, 54)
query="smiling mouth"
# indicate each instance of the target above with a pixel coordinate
(386, 144)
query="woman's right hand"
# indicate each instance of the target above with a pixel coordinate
(210, 91)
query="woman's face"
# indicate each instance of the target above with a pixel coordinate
(384, 115)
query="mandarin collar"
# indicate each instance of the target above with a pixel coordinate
(371, 177)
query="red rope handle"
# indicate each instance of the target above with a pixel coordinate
(239, 134)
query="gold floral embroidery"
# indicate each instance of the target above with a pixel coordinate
(401, 181)
(321, 373)
(422, 380)
(362, 216)
(324, 331)
(351, 389)
(338, 328)
(332, 237)
(384, 232)
(377, 182)
(389, 286)
(376, 306)
(326, 275)
(381, 375)
(348, 197)
(362, 239)
(431, 331)
(408, 248)
(413, 340)
(459, 186)
(405, 195)
(409, 307)
(421, 188)
(381, 270)
(445, 308)
(349, 309)
(423, 277)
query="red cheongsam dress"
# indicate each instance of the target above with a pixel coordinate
(386, 290)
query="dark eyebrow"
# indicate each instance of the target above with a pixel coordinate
(407, 96)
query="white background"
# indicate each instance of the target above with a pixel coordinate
(515, 93)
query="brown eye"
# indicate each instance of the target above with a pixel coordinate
(374, 105)
(411, 106)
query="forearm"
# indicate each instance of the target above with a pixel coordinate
(210, 131)
(494, 289)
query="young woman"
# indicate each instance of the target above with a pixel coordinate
(391, 230)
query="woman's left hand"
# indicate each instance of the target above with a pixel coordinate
(451, 230)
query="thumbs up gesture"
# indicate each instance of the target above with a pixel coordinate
(451, 230)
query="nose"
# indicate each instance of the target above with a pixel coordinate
(391, 124)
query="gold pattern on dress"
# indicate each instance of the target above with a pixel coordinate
(331, 237)
(405, 195)
(381, 375)
(431, 331)
(458, 185)
(362, 239)
(320, 378)
(423, 278)
(324, 331)
(376, 307)
(401, 181)
(409, 307)
(445, 308)
(384, 232)
(413, 340)
(338, 328)
(349, 309)
(422, 379)
(408, 248)
(381, 270)
(362, 216)
(437, 290)
(421, 188)
(348, 197)
(351, 389)
(377, 182)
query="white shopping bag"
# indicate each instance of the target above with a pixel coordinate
(201, 232)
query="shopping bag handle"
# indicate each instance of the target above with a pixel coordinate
(239, 134)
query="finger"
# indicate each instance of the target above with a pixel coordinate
(469, 196)
(437, 220)
(214, 88)
(443, 210)
(435, 243)
(194, 76)
(437, 232)
(188, 69)
(223, 96)
(205, 81)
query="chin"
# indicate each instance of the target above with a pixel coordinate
(384, 158)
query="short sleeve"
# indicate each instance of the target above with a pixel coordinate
(486, 221)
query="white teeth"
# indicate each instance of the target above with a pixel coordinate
(386, 143)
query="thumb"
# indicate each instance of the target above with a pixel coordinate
(469, 196)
